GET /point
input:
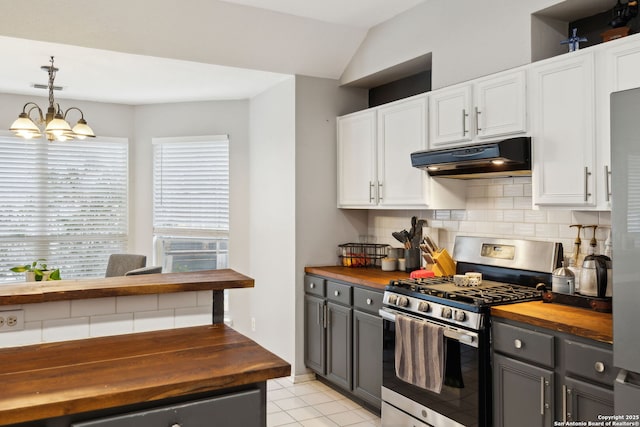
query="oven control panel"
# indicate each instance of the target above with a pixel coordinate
(434, 310)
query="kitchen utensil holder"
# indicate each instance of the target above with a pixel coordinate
(362, 254)
(412, 259)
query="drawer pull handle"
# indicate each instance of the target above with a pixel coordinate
(369, 301)
(599, 367)
(336, 293)
(312, 286)
(517, 344)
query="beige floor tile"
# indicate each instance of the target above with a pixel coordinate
(329, 408)
(290, 403)
(318, 422)
(317, 398)
(279, 419)
(305, 413)
(345, 418)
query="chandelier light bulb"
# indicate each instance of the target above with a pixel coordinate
(56, 127)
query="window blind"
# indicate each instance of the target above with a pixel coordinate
(191, 185)
(191, 202)
(65, 202)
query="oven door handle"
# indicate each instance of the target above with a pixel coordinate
(462, 336)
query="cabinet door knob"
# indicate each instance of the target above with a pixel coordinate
(176, 425)
(369, 301)
(336, 293)
(599, 367)
(517, 344)
(311, 285)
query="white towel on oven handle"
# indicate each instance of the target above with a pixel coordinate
(419, 353)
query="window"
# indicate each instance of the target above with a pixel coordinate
(62, 201)
(191, 202)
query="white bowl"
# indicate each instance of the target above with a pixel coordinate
(389, 264)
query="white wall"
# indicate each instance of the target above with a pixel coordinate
(271, 249)
(191, 119)
(320, 225)
(467, 39)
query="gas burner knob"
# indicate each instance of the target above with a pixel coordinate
(393, 299)
(446, 313)
(460, 316)
(402, 302)
(423, 306)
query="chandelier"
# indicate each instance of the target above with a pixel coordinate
(56, 127)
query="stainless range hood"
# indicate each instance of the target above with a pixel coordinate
(509, 157)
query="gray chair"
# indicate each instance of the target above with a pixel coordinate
(145, 270)
(120, 264)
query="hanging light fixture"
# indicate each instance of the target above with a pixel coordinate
(56, 127)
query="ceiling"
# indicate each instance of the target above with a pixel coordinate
(110, 76)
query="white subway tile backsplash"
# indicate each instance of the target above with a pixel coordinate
(459, 215)
(153, 320)
(495, 190)
(111, 324)
(514, 190)
(522, 203)
(546, 230)
(559, 217)
(503, 228)
(503, 203)
(73, 328)
(468, 227)
(193, 316)
(31, 334)
(179, 299)
(535, 216)
(514, 215)
(47, 311)
(135, 303)
(92, 307)
(205, 298)
(524, 230)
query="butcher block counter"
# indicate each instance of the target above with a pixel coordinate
(58, 290)
(562, 318)
(47, 381)
(368, 277)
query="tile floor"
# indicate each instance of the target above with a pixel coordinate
(313, 404)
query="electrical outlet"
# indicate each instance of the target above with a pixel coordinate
(253, 324)
(11, 320)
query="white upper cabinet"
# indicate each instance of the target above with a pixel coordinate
(500, 105)
(374, 162)
(357, 159)
(618, 65)
(563, 130)
(401, 131)
(484, 108)
(449, 122)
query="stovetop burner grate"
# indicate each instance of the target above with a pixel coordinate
(484, 294)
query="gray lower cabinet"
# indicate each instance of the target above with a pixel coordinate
(367, 356)
(343, 336)
(526, 359)
(523, 393)
(233, 410)
(314, 329)
(339, 352)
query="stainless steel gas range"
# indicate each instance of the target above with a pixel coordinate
(511, 270)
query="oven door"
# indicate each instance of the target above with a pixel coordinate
(465, 396)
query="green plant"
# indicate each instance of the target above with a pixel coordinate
(38, 268)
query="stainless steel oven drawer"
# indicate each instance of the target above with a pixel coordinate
(339, 293)
(314, 285)
(590, 362)
(366, 300)
(523, 344)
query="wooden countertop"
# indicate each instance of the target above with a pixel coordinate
(57, 290)
(563, 318)
(368, 277)
(49, 380)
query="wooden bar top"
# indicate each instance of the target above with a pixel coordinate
(563, 318)
(370, 277)
(57, 290)
(56, 379)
